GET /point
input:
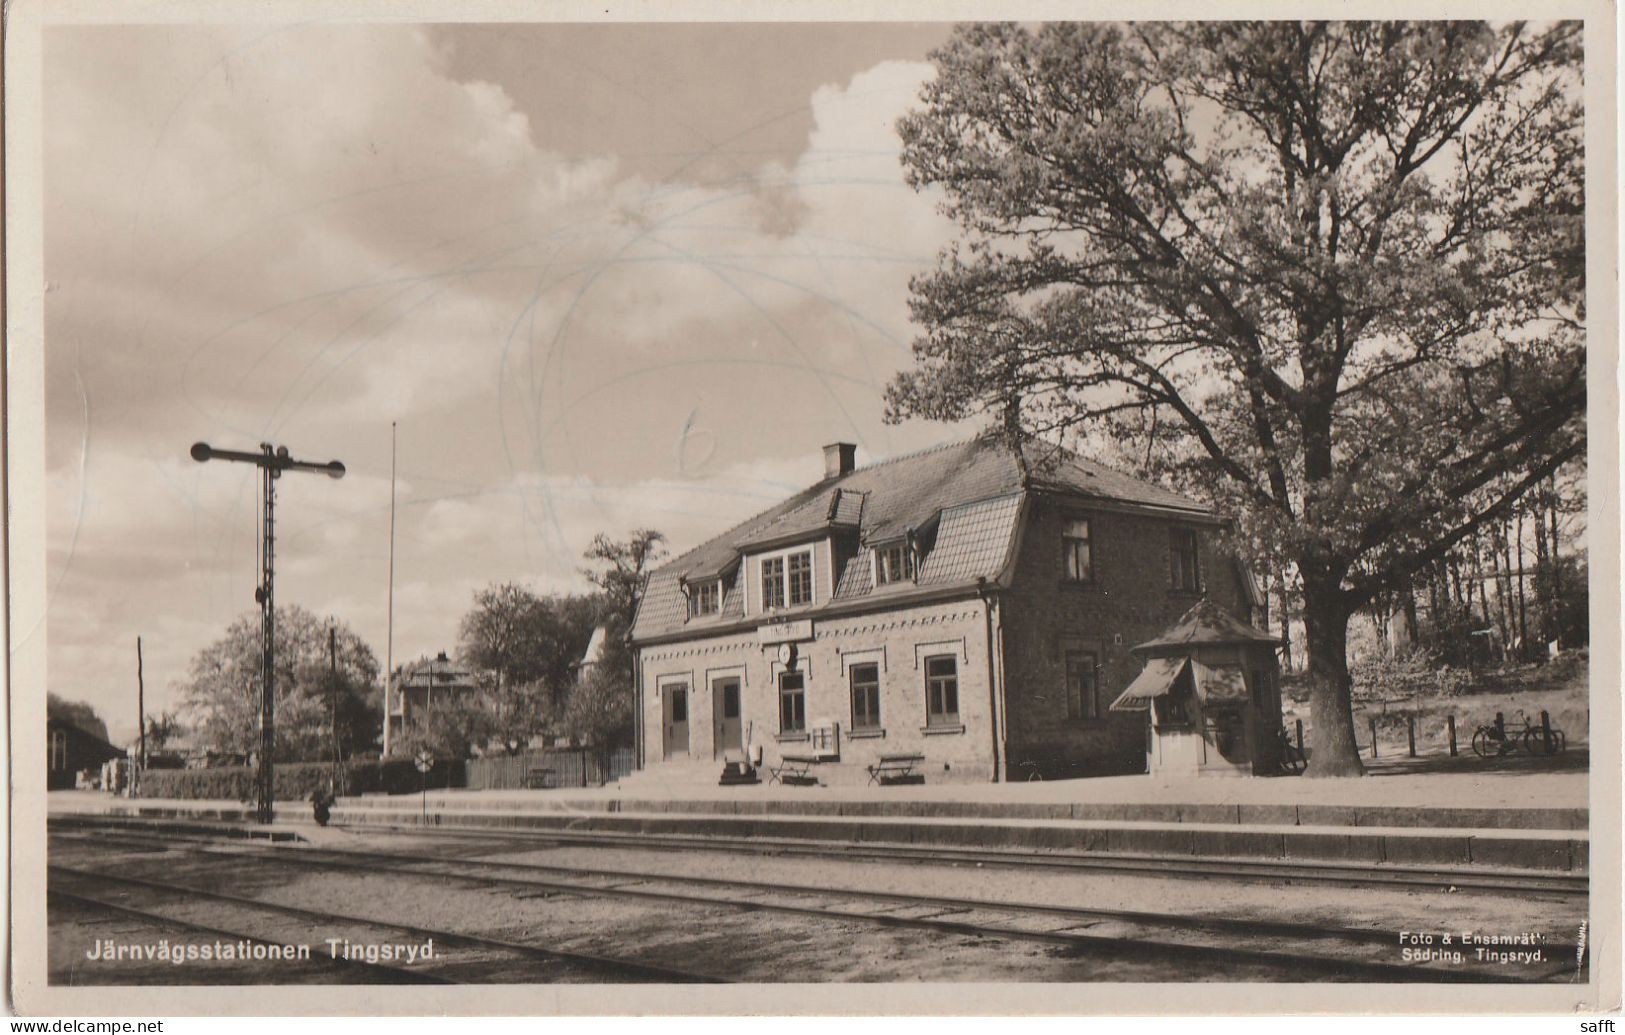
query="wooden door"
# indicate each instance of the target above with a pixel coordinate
(674, 707)
(726, 715)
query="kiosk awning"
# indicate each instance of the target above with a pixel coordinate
(1156, 679)
(1223, 683)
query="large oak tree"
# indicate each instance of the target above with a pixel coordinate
(1332, 274)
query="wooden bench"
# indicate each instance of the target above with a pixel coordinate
(539, 778)
(892, 769)
(796, 769)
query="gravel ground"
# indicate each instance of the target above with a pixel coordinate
(769, 947)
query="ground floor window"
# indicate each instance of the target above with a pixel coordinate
(865, 696)
(792, 702)
(942, 691)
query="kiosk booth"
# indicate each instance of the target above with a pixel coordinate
(1211, 692)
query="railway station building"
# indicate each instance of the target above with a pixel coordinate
(973, 605)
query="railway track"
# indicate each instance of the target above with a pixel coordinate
(1381, 875)
(480, 959)
(1295, 949)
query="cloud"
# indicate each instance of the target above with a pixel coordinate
(304, 234)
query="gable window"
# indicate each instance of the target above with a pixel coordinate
(772, 583)
(1184, 569)
(801, 590)
(941, 691)
(894, 563)
(865, 696)
(1082, 684)
(705, 598)
(787, 580)
(1077, 551)
(792, 702)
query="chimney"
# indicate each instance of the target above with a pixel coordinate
(839, 459)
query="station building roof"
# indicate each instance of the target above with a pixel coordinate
(964, 497)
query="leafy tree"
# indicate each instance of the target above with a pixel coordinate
(1330, 275)
(78, 713)
(599, 712)
(220, 697)
(600, 708)
(524, 648)
(619, 570)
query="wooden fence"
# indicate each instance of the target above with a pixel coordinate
(552, 767)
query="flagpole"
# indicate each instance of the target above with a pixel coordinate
(389, 636)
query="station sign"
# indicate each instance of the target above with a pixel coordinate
(784, 632)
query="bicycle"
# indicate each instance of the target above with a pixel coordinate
(1493, 739)
(1537, 740)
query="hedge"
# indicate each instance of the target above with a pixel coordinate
(295, 780)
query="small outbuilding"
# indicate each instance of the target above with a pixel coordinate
(1211, 691)
(71, 751)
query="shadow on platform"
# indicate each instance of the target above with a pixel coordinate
(1576, 759)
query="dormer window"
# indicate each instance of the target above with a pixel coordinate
(705, 598)
(893, 563)
(787, 580)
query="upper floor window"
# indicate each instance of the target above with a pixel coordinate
(705, 598)
(772, 583)
(1184, 569)
(1078, 553)
(942, 691)
(800, 575)
(1082, 684)
(787, 580)
(893, 563)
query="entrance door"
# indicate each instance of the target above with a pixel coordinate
(725, 709)
(674, 702)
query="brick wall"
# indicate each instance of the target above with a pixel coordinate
(1129, 602)
(897, 641)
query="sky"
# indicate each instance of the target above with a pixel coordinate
(600, 277)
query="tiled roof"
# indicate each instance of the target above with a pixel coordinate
(972, 541)
(1207, 623)
(974, 487)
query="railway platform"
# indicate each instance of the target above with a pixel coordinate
(1508, 821)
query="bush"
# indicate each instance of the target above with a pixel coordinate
(1386, 677)
(296, 780)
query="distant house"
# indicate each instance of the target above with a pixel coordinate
(974, 605)
(70, 750)
(423, 685)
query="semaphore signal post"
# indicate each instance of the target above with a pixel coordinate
(272, 461)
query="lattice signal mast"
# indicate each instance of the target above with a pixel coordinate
(272, 461)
